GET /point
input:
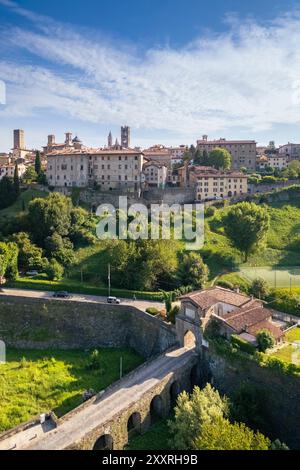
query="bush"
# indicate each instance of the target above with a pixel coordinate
(54, 270)
(172, 314)
(210, 211)
(242, 344)
(260, 288)
(225, 284)
(286, 302)
(265, 340)
(95, 360)
(152, 310)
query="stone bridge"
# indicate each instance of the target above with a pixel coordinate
(128, 406)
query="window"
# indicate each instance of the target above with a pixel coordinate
(81, 167)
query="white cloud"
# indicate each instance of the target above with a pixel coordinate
(248, 78)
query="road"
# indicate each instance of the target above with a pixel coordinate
(140, 304)
(128, 391)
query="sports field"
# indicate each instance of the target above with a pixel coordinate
(275, 277)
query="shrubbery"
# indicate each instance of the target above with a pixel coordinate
(242, 344)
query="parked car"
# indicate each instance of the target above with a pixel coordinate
(32, 273)
(61, 294)
(113, 300)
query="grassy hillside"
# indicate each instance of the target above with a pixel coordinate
(22, 202)
(34, 381)
(282, 247)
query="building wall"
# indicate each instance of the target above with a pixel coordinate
(109, 170)
(220, 186)
(243, 153)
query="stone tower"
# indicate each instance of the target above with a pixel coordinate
(109, 140)
(125, 136)
(68, 140)
(19, 139)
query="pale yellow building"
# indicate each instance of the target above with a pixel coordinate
(210, 183)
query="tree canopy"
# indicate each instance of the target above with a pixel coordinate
(246, 224)
(220, 158)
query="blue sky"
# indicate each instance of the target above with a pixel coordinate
(171, 69)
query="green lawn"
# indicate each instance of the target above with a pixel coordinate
(156, 438)
(35, 381)
(288, 353)
(292, 335)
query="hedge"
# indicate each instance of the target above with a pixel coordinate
(242, 344)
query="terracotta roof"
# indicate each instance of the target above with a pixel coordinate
(94, 151)
(266, 325)
(241, 320)
(209, 297)
(224, 141)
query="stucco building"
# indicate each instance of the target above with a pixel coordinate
(107, 168)
(210, 183)
(235, 313)
(243, 152)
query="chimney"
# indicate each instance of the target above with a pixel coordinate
(237, 289)
(205, 137)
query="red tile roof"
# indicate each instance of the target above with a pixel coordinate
(209, 297)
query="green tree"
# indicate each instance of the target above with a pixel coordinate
(246, 224)
(192, 412)
(223, 435)
(220, 158)
(8, 260)
(7, 192)
(30, 255)
(265, 340)
(49, 215)
(30, 175)
(260, 288)
(193, 271)
(16, 181)
(205, 158)
(60, 248)
(37, 163)
(54, 270)
(197, 157)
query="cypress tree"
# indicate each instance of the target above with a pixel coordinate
(16, 181)
(37, 163)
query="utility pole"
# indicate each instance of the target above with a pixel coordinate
(121, 367)
(108, 278)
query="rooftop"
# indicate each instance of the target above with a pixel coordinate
(208, 297)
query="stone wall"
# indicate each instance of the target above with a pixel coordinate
(282, 405)
(46, 323)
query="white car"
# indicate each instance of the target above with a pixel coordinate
(113, 300)
(32, 273)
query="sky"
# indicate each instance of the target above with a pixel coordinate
(172, 70)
